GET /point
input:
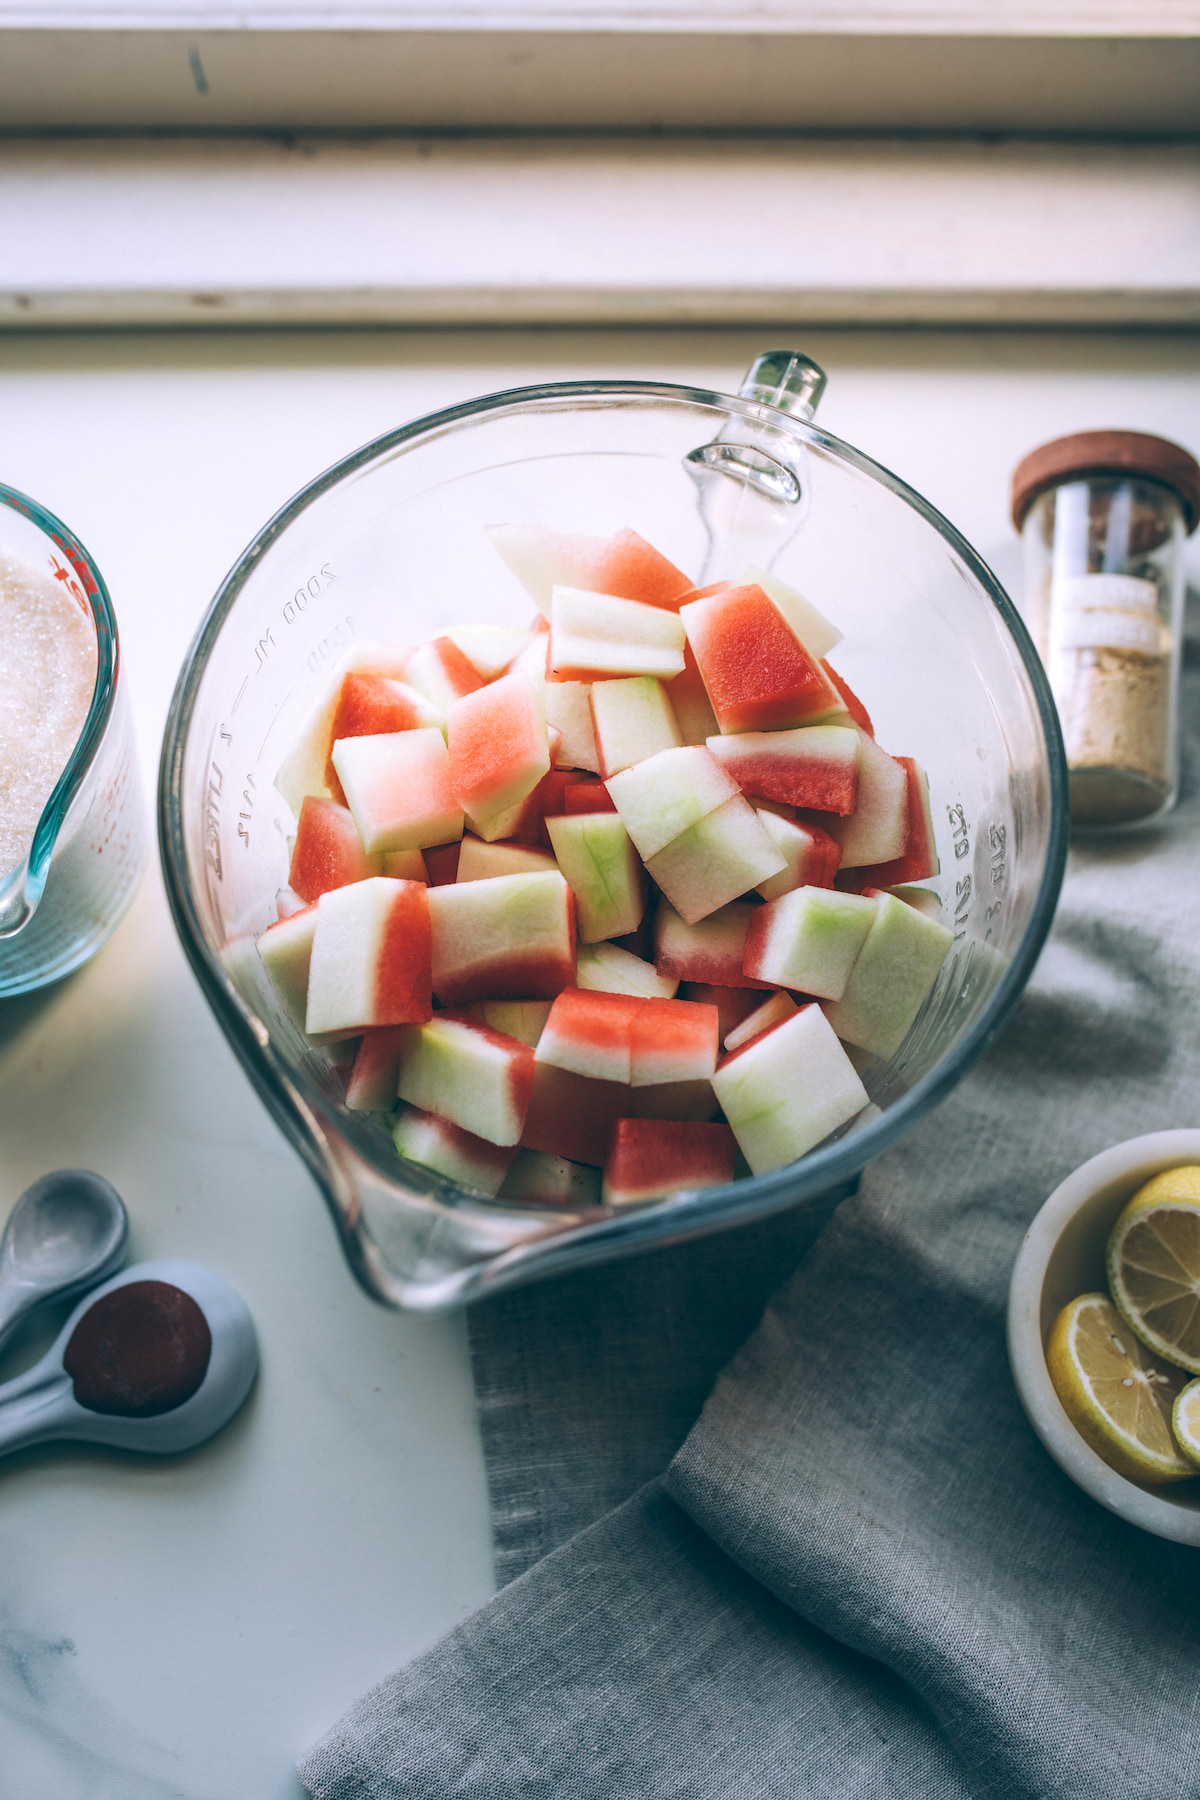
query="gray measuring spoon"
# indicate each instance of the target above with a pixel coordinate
(157, 1359)
(66, 1233)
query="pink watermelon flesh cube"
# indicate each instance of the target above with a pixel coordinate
(370, 706)
(441, 863)
(632, 720)
(405, 865)
(624, 565)
(525, 822)
(498, 746)
(690, 702)
(595, 854)
(371, 957)
(595, 636)
(649, 1157)
(571, 1115)
(810, 855)
(490, 649)
(286, 951)
(509, 937)
(546, 801)
(891, 978)
(758, 675)
(466, 1072)
(399, 789)
(787, 1089)
(815, 766)
(813, 629)
(682, 1100)
(710, 951)
(441, 672)
(875, 832)
(671, 1041)
(536, 1179)
(918, 860)
(668, 793)
(850, 700)
(446, 1149)
(328, 852)
(372, 1083)
(725, 854)
(303, 769)
(587, 797)
(809, 940)
(589, 1033)
(732, 1004)
(478, 861)
(608, 969)
(774, 1011)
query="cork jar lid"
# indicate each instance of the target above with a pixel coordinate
(1107, 453)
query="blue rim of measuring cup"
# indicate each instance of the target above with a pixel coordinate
(31, 874)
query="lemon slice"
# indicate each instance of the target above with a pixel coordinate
(1185, 1422)
(1117, 1396)
(1154, 1265)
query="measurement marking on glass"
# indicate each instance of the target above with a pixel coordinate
(248, 795)
(212, 820)
(962, 889)
(312, 589)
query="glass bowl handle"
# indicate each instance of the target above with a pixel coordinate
(755, 508)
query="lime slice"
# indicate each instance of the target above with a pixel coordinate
(1154, 1265)
(1185, 1422)
(1117, 1396)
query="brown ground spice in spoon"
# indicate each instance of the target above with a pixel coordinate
(141, 1350)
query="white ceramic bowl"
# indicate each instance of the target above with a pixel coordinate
(1061, 1258)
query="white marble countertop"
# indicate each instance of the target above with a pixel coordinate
(188, 1628)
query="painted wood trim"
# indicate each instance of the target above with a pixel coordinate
(656, 73)
(597, 231)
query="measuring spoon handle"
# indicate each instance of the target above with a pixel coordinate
(16, 1302)
(34, 1405)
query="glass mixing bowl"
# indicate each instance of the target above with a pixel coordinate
(390, 544)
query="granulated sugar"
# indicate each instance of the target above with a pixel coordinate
(47, 674)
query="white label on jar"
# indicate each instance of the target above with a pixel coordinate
(1120, 593)
(1095, 629)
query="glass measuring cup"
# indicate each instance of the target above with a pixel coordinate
(89, 848)
(390, 544)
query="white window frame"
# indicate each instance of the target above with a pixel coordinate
(373, 162)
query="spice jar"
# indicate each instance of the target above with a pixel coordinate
(1104, 515)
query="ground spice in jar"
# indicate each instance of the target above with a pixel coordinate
(1115, 716)
(1103, 515)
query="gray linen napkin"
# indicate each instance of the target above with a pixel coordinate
(588, 1385)
(861, 1575)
